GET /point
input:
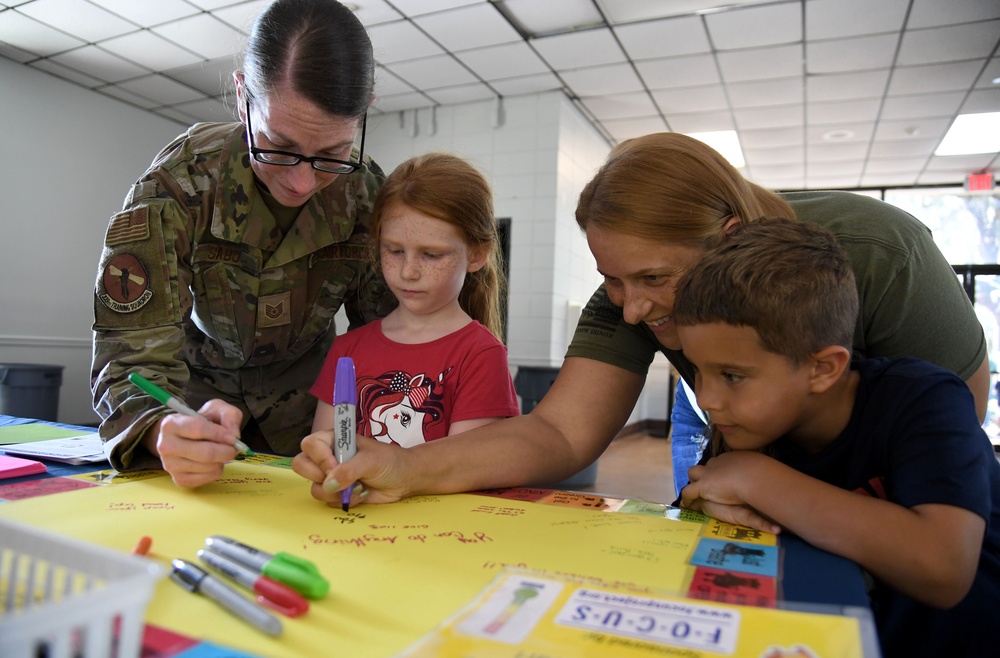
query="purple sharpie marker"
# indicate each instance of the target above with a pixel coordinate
(345, 429)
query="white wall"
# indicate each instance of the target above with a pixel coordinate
(70, 156)
(73, 154)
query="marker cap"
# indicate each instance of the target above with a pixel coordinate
(345, 388)
(299, 574)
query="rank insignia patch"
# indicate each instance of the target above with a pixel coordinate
(274, 310)
(126, 284)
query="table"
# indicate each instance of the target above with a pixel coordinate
(396, 571)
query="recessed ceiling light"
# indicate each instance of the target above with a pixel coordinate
(972, 133)
(725, 142)
(838, 135)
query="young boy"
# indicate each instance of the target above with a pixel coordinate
(880, 461)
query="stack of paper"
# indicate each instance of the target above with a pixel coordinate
(81, 449)
(12, 467)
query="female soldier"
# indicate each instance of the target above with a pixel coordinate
(220, 278)
(654, 208)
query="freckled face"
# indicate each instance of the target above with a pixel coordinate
(424, 260)
(287, 121)
(752, 395)
(641, 277)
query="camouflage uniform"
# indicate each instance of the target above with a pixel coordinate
(200, 292)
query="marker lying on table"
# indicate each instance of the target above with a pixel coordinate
(298, 573)
(270, 593)
(165, 398)
(195, 579)
(345, 428)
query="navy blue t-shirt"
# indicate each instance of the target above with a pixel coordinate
(913, 439)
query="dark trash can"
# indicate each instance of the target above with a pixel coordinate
(532, 383)
(30, 390)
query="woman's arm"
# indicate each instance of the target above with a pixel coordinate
(930, 552)
(587, 405)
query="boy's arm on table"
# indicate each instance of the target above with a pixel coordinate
(930, 552)
(587, 405)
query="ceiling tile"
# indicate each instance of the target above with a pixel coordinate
(66, 73)
(836, 152)
(373, 12)
(819, 114)
(161, 90)
(982, 100)
(241, 16)
(664, 38)
(911, 129)
(421, 7)
(579, 49)
(100, 63)
(388, 84)
(149, 50)
(933, 78)
(620, 106)
(859, 132)
(775, 24)
(901, 166)
(960, 163)
(775, 173)
(839, 168)
(461, 94)
(451, 28)
(123, 94)
(700, 122)
(613, 79)
(846, 55)
(174, 114)
(29, 35)
(761, 93)
(787, 155)
(212, 77)
(671, 72)
(835, 19)
(772, 137)
(149, 13)
(78, 18)
(887, 180)
(432, 72)
(931, 13)
(691, 99)
(920, 148)
(922, 106)
(400, 42)
(203, 34)
(761, 64)
(626, 11)
(990, 73)
(948, 44)
(769, 117)
(505, 61)
(552, 16)
(846, 86)
(528, 84)
(16, 54)
(622, 129)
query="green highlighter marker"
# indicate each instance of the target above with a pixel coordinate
(165, 398)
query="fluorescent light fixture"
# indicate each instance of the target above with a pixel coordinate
(972, 133)
(551, 17)
(725, 142)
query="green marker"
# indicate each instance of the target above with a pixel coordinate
(165, 398)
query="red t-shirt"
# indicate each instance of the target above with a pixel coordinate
(410, 394)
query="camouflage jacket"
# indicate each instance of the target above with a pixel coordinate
(199, 291)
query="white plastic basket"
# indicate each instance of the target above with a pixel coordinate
(64, 598)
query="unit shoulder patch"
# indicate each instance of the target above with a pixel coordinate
(126, 284)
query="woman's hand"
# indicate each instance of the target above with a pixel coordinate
(714, 489)
(192, 449)
(377, 471)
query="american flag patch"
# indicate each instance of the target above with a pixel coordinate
(130, 226)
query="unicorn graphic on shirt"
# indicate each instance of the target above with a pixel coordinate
(397, 407)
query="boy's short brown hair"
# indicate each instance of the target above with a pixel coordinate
(788, 280)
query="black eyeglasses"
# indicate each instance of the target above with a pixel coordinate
(288, 159)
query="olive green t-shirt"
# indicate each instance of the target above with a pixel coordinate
(912, 303)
